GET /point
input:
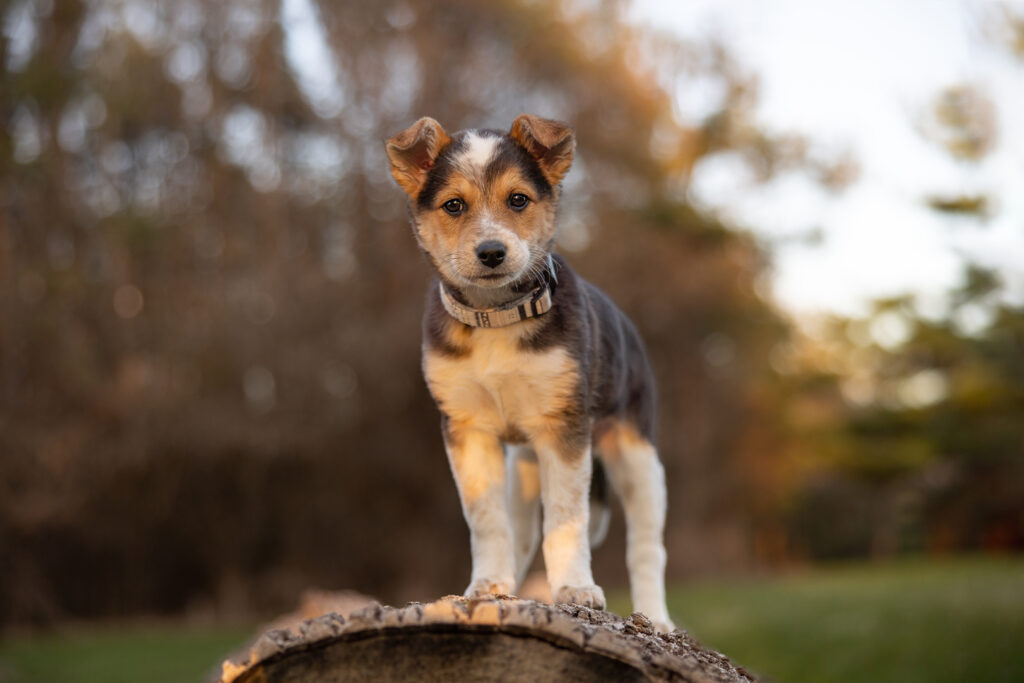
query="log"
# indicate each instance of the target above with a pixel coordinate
(495, 639)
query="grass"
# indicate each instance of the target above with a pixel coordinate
(121, 654)
(920, 620)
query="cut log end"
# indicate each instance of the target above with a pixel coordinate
(497, 639)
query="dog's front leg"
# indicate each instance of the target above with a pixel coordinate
(478, 463)
(565, 486)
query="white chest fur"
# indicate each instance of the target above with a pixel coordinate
(498, 387)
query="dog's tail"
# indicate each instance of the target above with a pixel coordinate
(600, 509)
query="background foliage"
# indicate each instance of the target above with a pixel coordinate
(209, 311)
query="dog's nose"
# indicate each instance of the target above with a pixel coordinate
(491, 253)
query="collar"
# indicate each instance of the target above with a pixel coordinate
(534, 304)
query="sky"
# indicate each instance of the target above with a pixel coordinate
(859, 76)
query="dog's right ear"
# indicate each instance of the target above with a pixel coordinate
(413, 152)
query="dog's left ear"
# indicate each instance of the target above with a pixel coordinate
(551, 143)
(413, 152)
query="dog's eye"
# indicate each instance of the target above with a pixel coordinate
(454, 207)
(518, 201)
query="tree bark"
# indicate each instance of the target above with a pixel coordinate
(499, 639)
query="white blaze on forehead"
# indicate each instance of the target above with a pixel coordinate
(479, 152)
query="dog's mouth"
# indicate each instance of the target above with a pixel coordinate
(489, 278)
(502, 276)
(474, 274)
(492, 280)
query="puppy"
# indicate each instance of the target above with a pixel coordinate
(534, 370)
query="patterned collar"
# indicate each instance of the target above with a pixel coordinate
(534, 304)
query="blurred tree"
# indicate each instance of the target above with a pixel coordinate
(923, 446)
(916, 434)
(1005, 27)
(962, 119)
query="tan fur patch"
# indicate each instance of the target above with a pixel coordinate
(618, 436)
(499, 388)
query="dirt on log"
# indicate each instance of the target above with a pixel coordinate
(499, 639)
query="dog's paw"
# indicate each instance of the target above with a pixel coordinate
(485, 588)
(588, 596)
(658, 619)
(659, 623)
(664, 626)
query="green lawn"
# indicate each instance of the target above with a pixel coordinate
(935, 621)
(955, 620)
(108, 654)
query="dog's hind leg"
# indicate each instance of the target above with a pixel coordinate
(523, 481)
(600, 510)
(638, 477)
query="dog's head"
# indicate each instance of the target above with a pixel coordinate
(483, 202)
